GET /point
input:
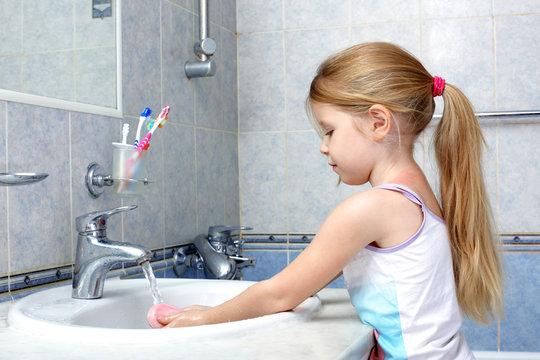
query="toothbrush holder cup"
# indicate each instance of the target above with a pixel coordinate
(128, 180)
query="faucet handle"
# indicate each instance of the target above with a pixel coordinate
(97, 220)
(218, 231)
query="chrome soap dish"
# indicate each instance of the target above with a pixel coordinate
(16, 179)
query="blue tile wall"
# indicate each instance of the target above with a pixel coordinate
(512, 48)
(179, 188)
(261, 98)
(314, 14)
(141, 61)
(439, 9)
(213, 172)
(264, 204)
(480, 337)
(259, 15)
(44, 205)
(269, 263)
(521, 306)
(520, 329)
(519, 194)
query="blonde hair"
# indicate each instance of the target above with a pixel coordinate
(381, 73)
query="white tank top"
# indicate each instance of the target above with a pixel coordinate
(407, 293)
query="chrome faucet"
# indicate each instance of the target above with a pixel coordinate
(218, 253)
(96, 254)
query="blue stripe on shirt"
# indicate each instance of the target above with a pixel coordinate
(377, 305)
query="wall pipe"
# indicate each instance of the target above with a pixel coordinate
(206, 47)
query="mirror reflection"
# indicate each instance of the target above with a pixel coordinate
(62, 49)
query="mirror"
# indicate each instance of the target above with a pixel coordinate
(62, 54)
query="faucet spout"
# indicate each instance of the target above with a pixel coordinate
(96, 254)
(94, 260)
(111, 252)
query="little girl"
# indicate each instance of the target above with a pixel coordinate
(411, 266)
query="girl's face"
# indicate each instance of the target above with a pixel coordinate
(350, 152)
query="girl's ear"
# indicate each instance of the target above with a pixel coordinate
(380, 120)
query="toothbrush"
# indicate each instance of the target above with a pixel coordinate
(163, 116)
(140, 151)
(164, 113)
(144, 115)
(125, 132)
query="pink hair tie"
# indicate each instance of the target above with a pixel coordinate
(438, 86)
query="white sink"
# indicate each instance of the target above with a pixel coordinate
(120, 315)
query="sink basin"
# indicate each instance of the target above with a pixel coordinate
(120, 315)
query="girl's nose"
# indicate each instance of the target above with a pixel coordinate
(324, 148)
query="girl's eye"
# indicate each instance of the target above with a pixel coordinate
(328, 133)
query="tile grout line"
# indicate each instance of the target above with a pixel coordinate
(8, 240)
(285, 105)
(494, 43)
(239, 173)
(163, 232)
(70, 158)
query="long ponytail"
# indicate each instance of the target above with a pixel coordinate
(477, 267)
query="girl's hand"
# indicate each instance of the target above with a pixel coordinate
(161, 315)
(189, 316)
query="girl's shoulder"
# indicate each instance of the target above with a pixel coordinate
(391, 216)
(368, 211)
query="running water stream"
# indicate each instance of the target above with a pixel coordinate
(149, 274)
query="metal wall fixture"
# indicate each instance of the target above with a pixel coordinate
(520, 113)
(16, 179)
(95, 180)
(206, 47)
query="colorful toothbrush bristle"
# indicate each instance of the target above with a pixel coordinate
(163, 116)
(146, 112)
(164, 112)
(144, 115)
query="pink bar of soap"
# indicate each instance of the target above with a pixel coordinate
(160, 310)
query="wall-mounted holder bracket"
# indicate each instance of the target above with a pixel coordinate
(96, 181)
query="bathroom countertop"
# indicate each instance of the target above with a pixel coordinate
(335, 332)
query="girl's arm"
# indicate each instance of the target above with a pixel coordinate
(351, 226)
